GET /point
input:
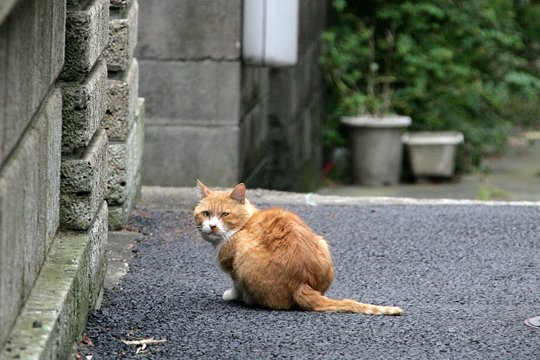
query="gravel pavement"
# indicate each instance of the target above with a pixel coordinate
(467, 276)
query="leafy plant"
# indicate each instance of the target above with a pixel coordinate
(354, 70)
(450, 65)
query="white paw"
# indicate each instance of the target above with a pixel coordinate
(230, 294)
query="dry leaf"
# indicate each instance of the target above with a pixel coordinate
(86, 341)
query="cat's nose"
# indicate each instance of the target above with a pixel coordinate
(213, 227)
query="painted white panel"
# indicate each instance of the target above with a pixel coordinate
(253, 31)
(270, 32)
(281, 32)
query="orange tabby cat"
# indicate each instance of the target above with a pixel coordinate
(274, 259)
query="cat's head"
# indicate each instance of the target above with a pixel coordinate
(220, 214)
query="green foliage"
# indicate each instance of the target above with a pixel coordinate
(490, 193)
(451, 65)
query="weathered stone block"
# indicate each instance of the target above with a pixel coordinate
(77, 4)
(120, 3)
(29, 213)
(63, 294)
(83, 184)
(122, 95)
(84, 106)
(125, 161)
(86, 37)
(190, 29)
(177, 155)
(32, 55)
(119, 214)
(122, 39)
(191, 93)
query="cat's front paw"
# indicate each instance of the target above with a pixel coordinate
(230, 294)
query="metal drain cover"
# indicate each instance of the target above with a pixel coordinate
(533, 322)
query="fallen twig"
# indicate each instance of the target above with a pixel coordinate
(150, 341)
(141, 349)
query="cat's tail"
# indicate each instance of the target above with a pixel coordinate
(309, 299)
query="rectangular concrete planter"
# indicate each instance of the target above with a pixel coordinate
(432, 154)
(376, 148)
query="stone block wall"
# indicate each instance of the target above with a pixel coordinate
(211, 116)
(124, 115)
(69, 107)
(84, 166)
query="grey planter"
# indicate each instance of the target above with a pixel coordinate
(432, 154)
(376, 148)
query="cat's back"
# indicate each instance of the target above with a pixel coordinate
(276, 219)
(274, 227)
(279, 249)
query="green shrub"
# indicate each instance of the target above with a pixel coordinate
(450, 65)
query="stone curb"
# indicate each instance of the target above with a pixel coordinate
(186, 198)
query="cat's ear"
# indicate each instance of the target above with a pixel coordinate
(202, 189)
(239, 193)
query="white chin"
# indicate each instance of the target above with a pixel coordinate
(212, 238)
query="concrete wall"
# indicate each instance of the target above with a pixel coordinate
(31, 57)
(297, 108)
(190, 70)
(208, 113)
(254, 150)
(68, 105)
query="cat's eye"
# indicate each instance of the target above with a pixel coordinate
(223, 214)
(206, 213)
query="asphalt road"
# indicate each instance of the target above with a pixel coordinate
(467, 276)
